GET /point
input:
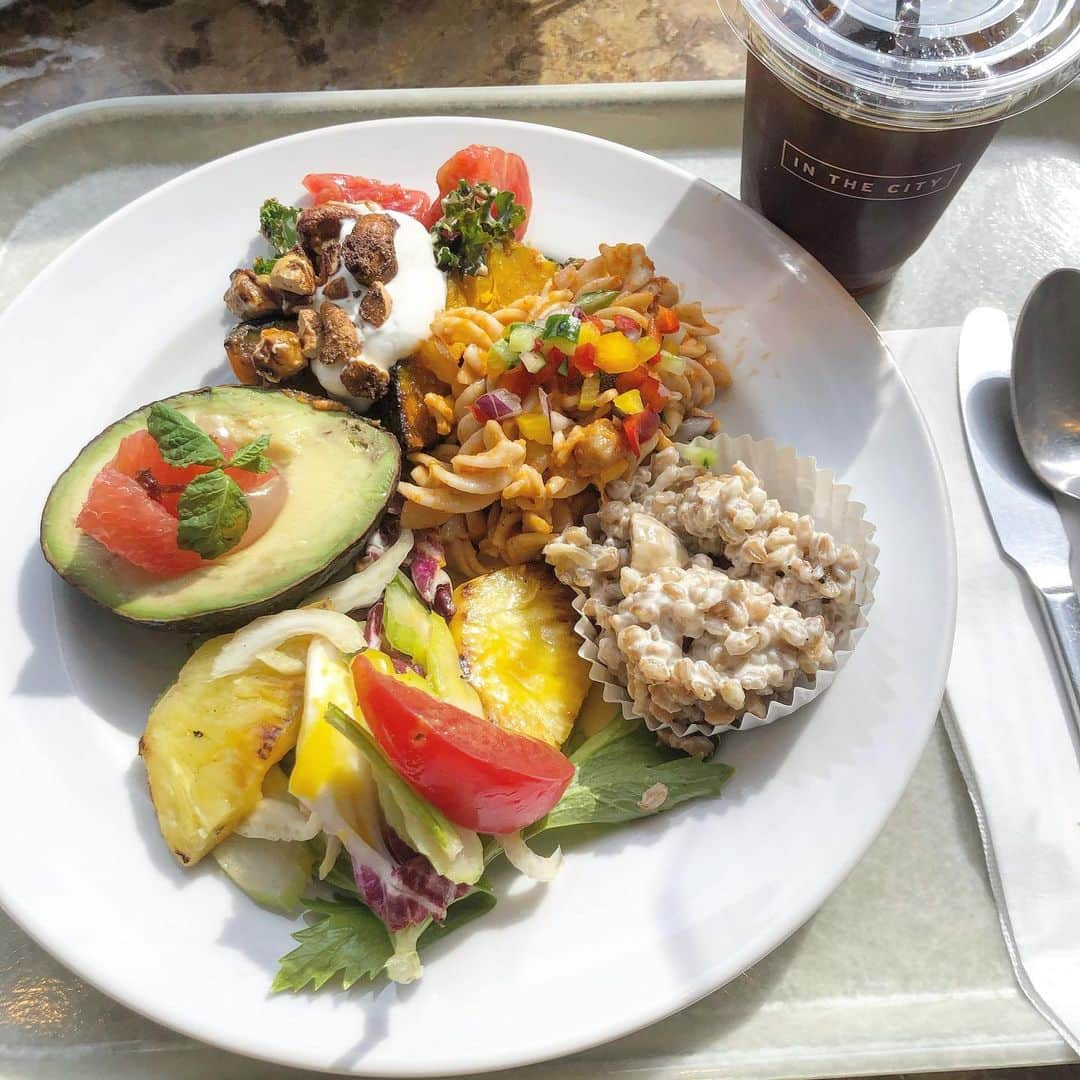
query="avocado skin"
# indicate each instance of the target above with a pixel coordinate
(231, 618)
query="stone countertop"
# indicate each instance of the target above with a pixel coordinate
(60, 52)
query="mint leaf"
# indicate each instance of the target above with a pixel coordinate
(252, 456)
(618, 765)
(348, 942)
(181, 441)
(263, 266)
(214, 513)
(277, 222)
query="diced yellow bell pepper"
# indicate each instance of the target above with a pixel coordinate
(588, 334)
(535, 427)
(615, 353)
(629, 403)
(647, 348)
(496, 365)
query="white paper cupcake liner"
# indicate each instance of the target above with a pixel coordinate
(800, 486)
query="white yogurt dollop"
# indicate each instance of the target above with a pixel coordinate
(417, 294)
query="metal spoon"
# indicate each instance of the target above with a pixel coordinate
(1046, 381)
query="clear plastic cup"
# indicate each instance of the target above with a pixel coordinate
(864, 117)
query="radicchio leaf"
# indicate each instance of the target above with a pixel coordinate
(414, 891)
(373, 626)
(426, 569)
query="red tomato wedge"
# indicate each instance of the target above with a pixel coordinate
(139, 453)
(478, 775)
(503, 170)
(325, 187)
(119, 514)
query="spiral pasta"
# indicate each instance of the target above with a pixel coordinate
(495, 494)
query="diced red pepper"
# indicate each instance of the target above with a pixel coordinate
(640, 428)
(630, 380)
(584, 358)
(517, 380)
(627, 325)
(667, 322)
(654, 393)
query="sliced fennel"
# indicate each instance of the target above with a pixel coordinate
(362, 589)
(455, 853)
(277, 815)
(404, 966)
(272, 631)
(525, 860)
(274, 874)
(281, 662)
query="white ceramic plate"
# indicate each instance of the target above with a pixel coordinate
(642, 921)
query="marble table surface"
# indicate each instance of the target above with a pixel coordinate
(61, 52)
(57, 52)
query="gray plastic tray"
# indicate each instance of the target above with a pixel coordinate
(903, 969)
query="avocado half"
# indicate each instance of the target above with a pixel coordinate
(340, 470)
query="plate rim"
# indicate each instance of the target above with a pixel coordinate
(629, 1020)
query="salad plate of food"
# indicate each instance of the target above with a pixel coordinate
(504, 587)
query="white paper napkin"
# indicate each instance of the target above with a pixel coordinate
(1007, 718)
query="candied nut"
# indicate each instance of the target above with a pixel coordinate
(293, 273)
(338, 289)
(321, 223)
(278, 355)
(368, 251)
(309, 331)
(248, 296)
(327, 261)
(365, 380)
(375, 307)
(340, 342)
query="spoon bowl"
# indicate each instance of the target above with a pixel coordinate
(1046, 381)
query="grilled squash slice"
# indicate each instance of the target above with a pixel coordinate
(514, 630)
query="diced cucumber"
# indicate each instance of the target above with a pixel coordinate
(522, 337)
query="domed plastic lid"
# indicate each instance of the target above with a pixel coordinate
(916, 62)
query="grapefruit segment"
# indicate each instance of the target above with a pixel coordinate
(121, 516)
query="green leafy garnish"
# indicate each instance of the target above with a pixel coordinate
(351, 943)
(348, 941)
(252, 457)
(181, 441)
(618, 766)
(479, 900)
(214, 513)
(263, 266)
(277, 222)
(475, 216)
